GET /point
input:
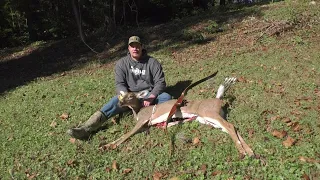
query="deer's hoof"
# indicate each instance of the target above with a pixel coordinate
(108, 147)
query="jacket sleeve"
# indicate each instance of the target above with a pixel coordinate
(120, 78)
(158, 79)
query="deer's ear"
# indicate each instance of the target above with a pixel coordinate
(122, 93)
(142, 94)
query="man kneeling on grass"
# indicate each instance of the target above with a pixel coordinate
(133, 73)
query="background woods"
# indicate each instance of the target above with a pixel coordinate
(24, 21)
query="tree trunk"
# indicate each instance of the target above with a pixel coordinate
(222, 2)
(114, 11)
(124, 3)
(108, 16)
(77, 17)
(30, 10)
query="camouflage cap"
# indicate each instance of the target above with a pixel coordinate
(133, 39)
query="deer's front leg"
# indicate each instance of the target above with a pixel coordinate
(126, 136)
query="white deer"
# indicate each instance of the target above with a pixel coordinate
(206, 111)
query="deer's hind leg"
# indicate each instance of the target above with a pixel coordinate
(229, 128)
(240, 143)
(246, 147)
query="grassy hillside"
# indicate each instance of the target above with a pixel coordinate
(273, 50)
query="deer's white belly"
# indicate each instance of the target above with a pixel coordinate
(164, 117)
(160, 121)
(212, 122)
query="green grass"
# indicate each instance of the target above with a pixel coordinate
(278, 79)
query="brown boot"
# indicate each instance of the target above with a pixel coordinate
(92, 124)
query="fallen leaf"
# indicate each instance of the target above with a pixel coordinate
(317, 92)
(203, 168)
(31, 176)
(296, 127)
(72, 163)
(242, 79)
(101, 144)
(51, 133)
(251, 133)
(308, 160)
(72, 140)
(105, 147)
(64, 116)
(174, 178)
(305, 177)
(296, 112)
(114, 165)
(215, 173)
(288, 142)
(279, 134)
(107, 169)
(127, 170)
(309, 130)
(286, 120)
(113, 146)
(10, 138)
(129, 148)
(309, 99)
(274, 117)
(196, 141)
(101, 138)
(27, 171)
(157, 175)
(304, 159)
(202, 90)
(268, 128)
(113, 131)
(53, 124)
(293, 124)
(114, 121)
(289, 124)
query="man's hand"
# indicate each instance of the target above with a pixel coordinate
(149, 100)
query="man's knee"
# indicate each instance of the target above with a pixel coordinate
(163, 97)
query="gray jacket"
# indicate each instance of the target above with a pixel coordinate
(134, 76)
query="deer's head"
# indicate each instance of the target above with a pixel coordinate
(132, 99)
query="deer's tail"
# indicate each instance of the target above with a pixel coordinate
(225, 86)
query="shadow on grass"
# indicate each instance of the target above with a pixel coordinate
(65, 55)
(55, 57)
(176, 90)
